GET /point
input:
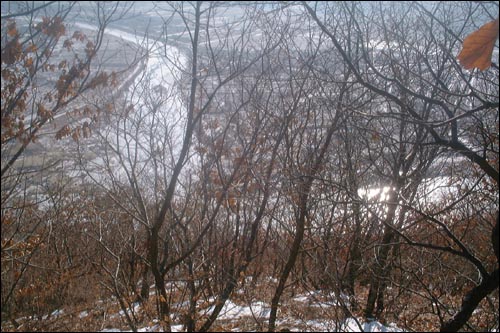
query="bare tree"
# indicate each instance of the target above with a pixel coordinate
(47, 68)
(454, 111)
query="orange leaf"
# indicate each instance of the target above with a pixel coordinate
(478, 47)
(11, 29)
(232, 202)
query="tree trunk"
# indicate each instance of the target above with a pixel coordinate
(145, 284)
(495, 235)
(354, 254)
(476, 295)
(304, 191)
(190, 320)
(381, 271)
(294, 251)
(470, 302)
(235, 272)
(164, 310)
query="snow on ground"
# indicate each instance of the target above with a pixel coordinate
(236, 315)
(137, 307)
(154, 328)
(320, 299)
(232, 310)
(232, 313)
(350, 325)
(55, 313)
(372, 326)
(83, 314)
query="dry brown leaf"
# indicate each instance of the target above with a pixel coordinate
(478, 47)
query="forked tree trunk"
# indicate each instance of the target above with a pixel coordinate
(470, 303)
(382, 270)
(294, 251)
(476, 295)
(304, 191)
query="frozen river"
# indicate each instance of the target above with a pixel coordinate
(147, 140)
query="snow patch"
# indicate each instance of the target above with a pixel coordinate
(234, 311)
